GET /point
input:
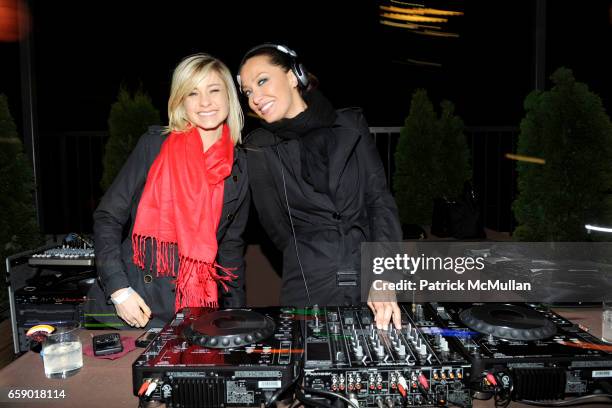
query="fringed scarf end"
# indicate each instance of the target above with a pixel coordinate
(197, 286)
(164, 254)
(229, 275)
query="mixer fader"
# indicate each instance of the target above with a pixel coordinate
(414, 366)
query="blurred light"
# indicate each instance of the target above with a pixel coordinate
(14, 20)
(416, 13)
(421, 19)
(405, 3)
(421, 11)
(528, 159)
(402, 25)
(595, 228)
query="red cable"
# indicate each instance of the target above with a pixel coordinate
(144, 387)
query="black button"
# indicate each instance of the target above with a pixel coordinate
(235, 178)
(148, 278)
(336, 216)
(230, 217)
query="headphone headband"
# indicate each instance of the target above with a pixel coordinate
(296, 67)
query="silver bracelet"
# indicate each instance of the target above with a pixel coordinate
(122, 297)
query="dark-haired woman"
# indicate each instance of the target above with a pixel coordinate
(317, 182)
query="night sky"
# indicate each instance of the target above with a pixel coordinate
(83, 51)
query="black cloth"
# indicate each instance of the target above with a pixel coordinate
(312, 129)
(114, 221)
(330, 221)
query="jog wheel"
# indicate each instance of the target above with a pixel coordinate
(229, 328)
(508, 322)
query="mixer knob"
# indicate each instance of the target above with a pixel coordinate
(340, 357)
(380, 351)
(358, 351)
(422, 349)
(401, 350)
(419, 312)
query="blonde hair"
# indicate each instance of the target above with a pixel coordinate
(188, 74)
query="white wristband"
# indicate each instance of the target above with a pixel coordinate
(122, 297)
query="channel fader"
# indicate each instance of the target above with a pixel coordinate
(414, 366)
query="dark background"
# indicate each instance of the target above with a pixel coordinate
(83, 51)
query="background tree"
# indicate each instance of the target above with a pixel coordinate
(453, 153)
(431, 159)
(129, 119)
(569, 128)
(19, 230)
(416, 178)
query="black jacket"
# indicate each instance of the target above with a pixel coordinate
(117, 212)
(329, 226)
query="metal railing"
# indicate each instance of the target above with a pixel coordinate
(71, 170)
(494, 176)
(71, 165)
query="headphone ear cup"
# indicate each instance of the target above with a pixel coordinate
(301, 74)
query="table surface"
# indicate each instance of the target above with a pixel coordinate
(108, 383)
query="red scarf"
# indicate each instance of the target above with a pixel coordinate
(180, 208)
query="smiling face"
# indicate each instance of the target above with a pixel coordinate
(272, 92)
(207, 105)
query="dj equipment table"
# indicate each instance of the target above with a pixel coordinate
(108, 383)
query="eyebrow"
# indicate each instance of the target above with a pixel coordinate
(257, 76)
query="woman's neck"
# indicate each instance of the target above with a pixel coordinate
(298, 107)
(209, 137)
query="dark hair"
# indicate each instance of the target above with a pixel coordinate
(282, 60)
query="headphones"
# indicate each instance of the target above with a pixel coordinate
(296, 67)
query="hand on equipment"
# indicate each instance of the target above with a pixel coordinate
(385, 308)
(132, 309)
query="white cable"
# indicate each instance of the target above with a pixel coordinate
(297, 253)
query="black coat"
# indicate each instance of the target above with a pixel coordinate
(329, 227)
(113, 245)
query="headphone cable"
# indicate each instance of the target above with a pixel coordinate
(297, 252)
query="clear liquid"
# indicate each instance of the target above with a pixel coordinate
(606, 328)
(62, 359)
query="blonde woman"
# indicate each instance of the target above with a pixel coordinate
(183, 195)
